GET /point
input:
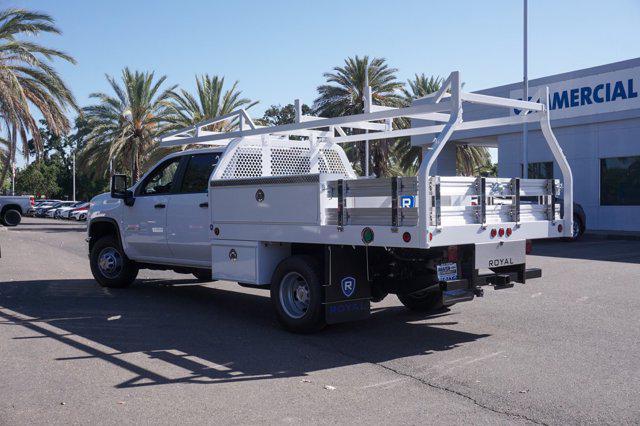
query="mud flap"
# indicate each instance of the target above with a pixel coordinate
(347, 291)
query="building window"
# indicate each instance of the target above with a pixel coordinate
(620, 181)
(542, 170)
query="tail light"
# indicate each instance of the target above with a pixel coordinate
(452, 253)
(406, 237)
(501, 232)
(509, 232)
(32, 201)
(529, 247)
(494, 233)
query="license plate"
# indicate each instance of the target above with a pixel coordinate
(503, 253)
(447, 271)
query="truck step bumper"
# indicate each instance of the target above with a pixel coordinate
(506, 279)
(456, 291)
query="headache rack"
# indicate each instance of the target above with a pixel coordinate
(305, 158)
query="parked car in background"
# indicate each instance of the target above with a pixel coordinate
(42, 209)
(80, 214)
(65, 212)
(36, 204)
(12, 208)
(53, 212)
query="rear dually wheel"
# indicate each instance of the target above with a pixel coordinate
(296, 294)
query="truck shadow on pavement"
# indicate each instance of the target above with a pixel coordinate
(167, 332)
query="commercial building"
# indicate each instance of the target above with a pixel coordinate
(595, 113)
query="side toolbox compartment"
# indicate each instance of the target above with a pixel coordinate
(247, 262)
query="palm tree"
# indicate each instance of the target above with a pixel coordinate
(27, 80)
(469, 158)
(421, 86)
(409, 157)
(344, 95)
(123, 127)
(211, 101)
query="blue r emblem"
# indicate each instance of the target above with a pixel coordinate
(348, 285)
(407, 201)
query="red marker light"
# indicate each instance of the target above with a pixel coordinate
(560, 228)
(501, 232)
(494, 233)
(406, 237)
(430, 236)
(509, 232)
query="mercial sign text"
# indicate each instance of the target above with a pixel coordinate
(594, 94)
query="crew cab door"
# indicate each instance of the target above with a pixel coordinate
(188, 216)
(145, 230)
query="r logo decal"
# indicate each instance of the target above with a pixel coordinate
(348, 285)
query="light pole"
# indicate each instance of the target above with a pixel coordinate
(367, 108)
(74, 176)
(525, 97)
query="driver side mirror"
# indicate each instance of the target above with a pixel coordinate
(119, 189)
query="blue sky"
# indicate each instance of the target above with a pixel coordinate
(278, 50)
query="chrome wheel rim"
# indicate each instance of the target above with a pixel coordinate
(110, 262)
(295, 295)
(575, 229)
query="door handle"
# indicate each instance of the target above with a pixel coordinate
(205, 204)
(160, 206)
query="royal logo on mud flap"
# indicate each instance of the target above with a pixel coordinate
(348, 285)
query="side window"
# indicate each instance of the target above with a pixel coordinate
(196, 177)
(161, 179)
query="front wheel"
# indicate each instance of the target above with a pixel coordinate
(422, 302)
(110, 266)
(296, 294)
(11, 217)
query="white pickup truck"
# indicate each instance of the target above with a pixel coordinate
(12, 208)
(281, 208)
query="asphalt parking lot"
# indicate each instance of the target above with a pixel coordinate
(561, 349)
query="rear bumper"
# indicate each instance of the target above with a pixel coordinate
(463, 290)
(507, 277)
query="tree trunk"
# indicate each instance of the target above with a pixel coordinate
(5, 169)
(135, 162)
(362, 154)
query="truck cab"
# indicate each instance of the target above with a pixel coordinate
(163, 222)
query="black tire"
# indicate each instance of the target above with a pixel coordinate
(109, 248)
(299, 270)
(11, 217)
(203, 275)
(426, 302)
(578, 226)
